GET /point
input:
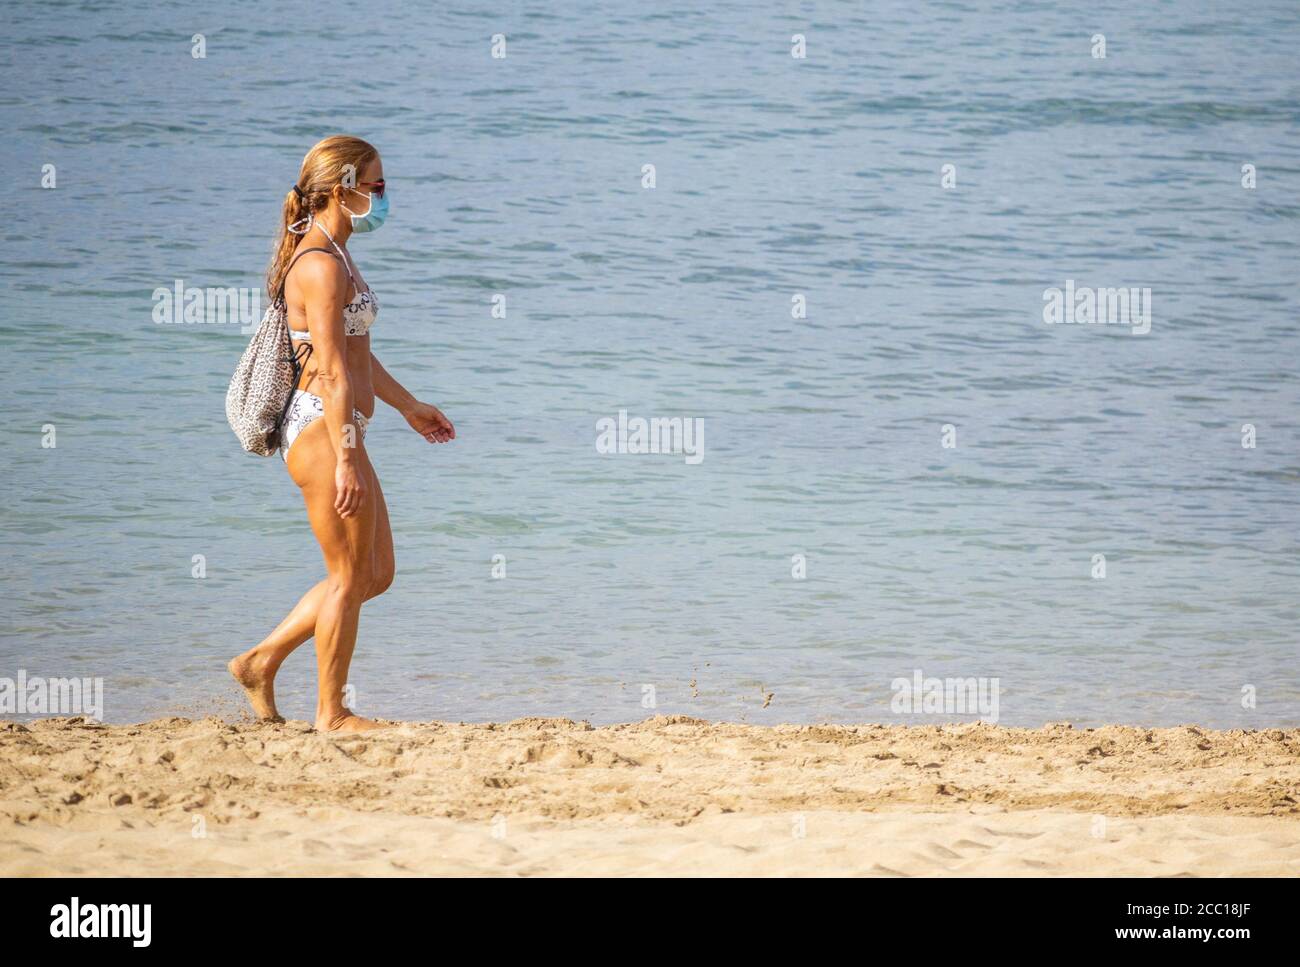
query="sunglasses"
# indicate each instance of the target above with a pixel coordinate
(376, 187)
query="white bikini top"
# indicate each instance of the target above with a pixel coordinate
(358, 316)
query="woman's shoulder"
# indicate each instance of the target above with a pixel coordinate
(316, 269)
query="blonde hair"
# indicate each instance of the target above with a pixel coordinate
(322, 171)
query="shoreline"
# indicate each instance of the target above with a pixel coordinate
(669, 795)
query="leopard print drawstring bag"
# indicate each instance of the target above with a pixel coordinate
(262, 386)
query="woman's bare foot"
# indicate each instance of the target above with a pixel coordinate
(345, 721)
(257, 685)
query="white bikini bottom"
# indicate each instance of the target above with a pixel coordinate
(304, 410)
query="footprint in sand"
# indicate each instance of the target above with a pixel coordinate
(1011, 833)
(886, 871)
(943, 851)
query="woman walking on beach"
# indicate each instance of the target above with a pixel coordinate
(340, 190)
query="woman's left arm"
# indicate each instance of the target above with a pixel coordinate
(425, 418)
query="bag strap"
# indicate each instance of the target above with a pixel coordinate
(297, 362)
(297, 357)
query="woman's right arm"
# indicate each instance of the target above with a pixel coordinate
(324, 285)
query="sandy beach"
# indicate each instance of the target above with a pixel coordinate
(666, 796)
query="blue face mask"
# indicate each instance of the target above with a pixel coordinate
(373, 217)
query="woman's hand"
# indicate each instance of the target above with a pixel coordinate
(349, 487)
(429, 421)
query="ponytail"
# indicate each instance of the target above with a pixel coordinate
(294, 212)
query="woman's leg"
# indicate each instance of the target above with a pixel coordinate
(255, 669)
(383, 564)
(331, 609)
(347, 545)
